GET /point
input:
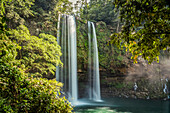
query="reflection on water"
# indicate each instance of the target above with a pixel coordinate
(99, 110)
(120, 105)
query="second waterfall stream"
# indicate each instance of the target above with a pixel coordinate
(93, 64)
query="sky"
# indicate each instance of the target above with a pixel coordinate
(74, 1)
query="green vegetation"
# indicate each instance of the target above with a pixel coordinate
(46, 16)
(82, 45)
(39, 55)
(16, 11)
(29, 52)
(101, 10)
(21, 93)
(25, 58)
(146, 28)
(110, 57)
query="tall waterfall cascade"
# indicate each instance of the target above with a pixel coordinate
(93, 64)
(67, 74)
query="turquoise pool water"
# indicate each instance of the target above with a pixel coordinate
(122, 105)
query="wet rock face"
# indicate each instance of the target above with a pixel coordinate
(119, 85)
(128, 92)
(150, 83)
(142, 81)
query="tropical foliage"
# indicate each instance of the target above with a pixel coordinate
(146, 28)
(23, 59)
(23, 93)
(98, 10)
(16, 11)
(40, 55)
(20, 93)
(29, 52)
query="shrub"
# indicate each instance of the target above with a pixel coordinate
(20, 93)
(40, 55)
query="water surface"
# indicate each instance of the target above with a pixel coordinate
(122, 105)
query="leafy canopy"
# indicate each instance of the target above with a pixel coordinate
(146, 29)
(98, 10)
(17, 10)
(20, 92)
(40, 55)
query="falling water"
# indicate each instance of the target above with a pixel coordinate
(165, 89)
(68, 73)
(73, 58)
(58, 34)
(94, 82)
(89, 61)
(135, 86)
(96, 76)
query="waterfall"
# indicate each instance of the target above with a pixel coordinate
(96, 76)
(135, 87)
(165, 89)
(58, 34)
(72, 44)
(93, 64)
(68, 73)
(89, 61)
